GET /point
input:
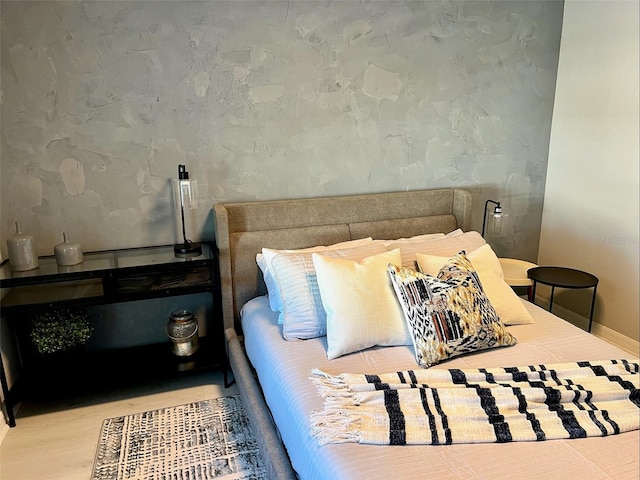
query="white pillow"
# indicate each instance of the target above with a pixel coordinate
(272, 289)
(507, 304)
(446, 246)
(302, 315)
(361, 305)
(416, 238)
(264, 262)
(455, 233)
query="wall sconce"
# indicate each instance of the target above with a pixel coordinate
(498, 223)
(186, 192)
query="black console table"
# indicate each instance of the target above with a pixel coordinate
(105, 277)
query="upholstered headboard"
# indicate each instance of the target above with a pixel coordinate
(243, 229)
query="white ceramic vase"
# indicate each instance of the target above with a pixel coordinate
(21, 250)
(68, 253)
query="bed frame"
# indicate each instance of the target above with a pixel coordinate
(242, 229)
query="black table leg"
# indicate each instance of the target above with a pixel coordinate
(532, 297)
(7, 403)
(593, 304)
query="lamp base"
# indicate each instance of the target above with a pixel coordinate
(187, 250)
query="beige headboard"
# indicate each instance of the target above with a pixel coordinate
(243, 229)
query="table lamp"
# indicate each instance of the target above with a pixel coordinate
(186, 191)
(498, 223)
(513, 269)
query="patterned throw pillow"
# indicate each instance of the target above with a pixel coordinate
(449, 315)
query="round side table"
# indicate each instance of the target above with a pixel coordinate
(515, 274)
(565, 278)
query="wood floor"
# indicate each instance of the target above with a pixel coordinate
(57, 440)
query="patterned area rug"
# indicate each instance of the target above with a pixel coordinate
(196, 441)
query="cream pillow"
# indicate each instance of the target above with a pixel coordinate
(507, 304)
(447, 246)
(360, 303)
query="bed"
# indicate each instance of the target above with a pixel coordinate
(273, 373)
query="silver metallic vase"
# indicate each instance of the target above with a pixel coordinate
(182, 330)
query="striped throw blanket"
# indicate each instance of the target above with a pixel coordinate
(447, 406)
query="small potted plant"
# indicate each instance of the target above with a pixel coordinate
(61, 329)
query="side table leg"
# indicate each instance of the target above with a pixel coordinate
(593, 304)
(532, 296)
(551, 298)
(227, 369)
(7, 403)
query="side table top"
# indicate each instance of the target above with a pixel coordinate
(515, 271)
(99, 263)
(563, 277)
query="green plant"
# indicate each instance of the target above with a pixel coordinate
(61, 329)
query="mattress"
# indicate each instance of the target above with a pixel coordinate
(284, 367)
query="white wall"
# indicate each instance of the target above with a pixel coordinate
(590, 215)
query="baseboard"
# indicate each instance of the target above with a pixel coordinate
(627, 344)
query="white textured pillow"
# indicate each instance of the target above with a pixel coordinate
(486, 264)
(264, 262)
(302, 315)
(446, 246)
(361, 305)
(272, 289)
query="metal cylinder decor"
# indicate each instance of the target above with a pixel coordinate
(182, 330)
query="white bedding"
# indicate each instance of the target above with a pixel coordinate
(284, 368)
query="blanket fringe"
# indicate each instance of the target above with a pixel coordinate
(335, 426)
(330, 385)
(339, 421)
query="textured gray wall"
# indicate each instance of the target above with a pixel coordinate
(101, 101)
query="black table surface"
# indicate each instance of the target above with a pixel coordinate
(562, 277)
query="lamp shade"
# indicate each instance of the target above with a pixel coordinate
(186, 195)
(185, 189)
(497, 224)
